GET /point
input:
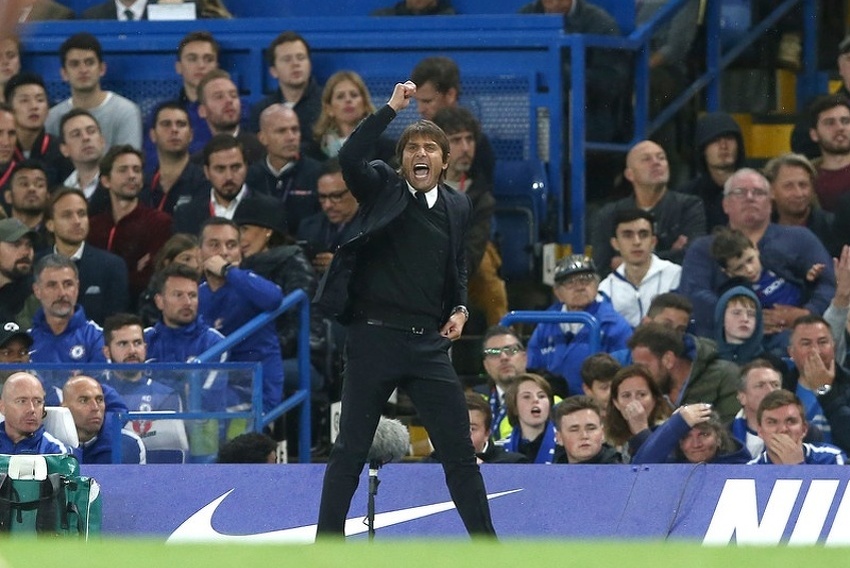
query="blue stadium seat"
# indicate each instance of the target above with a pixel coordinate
(520, 192)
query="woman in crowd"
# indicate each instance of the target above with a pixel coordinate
(529, 400)
(10, 61)
(181, 248)
(694, 434)
(345, 102)
(635, 408)
(268, 251)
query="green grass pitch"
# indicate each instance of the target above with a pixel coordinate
(126, 553)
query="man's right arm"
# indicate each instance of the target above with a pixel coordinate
(360, 176)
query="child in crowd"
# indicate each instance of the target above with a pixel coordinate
(597, 372)
(739, 258)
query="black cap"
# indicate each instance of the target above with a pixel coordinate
(262, 211)
(11, 330)
(574, 264)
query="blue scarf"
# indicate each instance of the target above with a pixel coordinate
(546, 453)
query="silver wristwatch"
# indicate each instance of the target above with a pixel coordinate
(461, 309)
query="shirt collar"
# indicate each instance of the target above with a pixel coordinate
(430, 195)
(137, 7)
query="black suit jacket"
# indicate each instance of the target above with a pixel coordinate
(106, 11)
(104, 285)
(383, 195)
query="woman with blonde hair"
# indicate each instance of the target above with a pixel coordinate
(345, 102)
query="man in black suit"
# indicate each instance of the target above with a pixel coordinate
(129, 10)
(226, 170)
(104, 285)
(401, 313)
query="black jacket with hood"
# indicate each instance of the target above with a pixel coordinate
(710, 127)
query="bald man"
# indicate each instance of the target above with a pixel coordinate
(679, 218)
(22, 405)
(83, 396)
(284, 173)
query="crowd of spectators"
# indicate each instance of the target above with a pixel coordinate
(208, 211)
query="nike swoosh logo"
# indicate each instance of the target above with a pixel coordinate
(198, 527)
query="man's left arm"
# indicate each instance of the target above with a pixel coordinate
(453, 328)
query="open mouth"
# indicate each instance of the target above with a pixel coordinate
(421, 171)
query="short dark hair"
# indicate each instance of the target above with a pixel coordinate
(54, 261)
(201, 35)
(59, 194)
(108, 160)
(629, 215)
(208, 78)
(574, 404)
(22, 79)
(457, 119)
(751, 366)
(329, 167)
(117, 321)
(670, 300)
(658, 338)
(74, 113)
(496, 330)
(173, 270)
(285, 37)
(824, 103)
(82, 40)
(169, 105)
(216, 222)
(729, 244)
(475, 401)
(778, 399)
(220, 143)
(425, 129)
(28, 164)
(598, 367)
(250, 447)
(809, 319)
(442, 71)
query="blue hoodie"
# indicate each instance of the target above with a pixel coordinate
(750, 348)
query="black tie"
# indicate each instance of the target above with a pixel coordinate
(420, 198)
(128, 13)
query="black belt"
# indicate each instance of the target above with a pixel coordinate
(406, 328)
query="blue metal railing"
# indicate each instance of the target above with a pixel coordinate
(532, 316)
(300, 397)
(638, 42)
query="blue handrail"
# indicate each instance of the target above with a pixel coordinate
(300, 397)
(638, 42)
(532, 316)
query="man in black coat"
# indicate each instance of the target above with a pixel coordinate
(400, 287)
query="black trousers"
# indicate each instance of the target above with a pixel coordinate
(377, 360)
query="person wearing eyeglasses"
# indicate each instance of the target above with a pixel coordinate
(284, 172)
(504, 359)
(322, 233)
(788, 251)
(562, 347)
